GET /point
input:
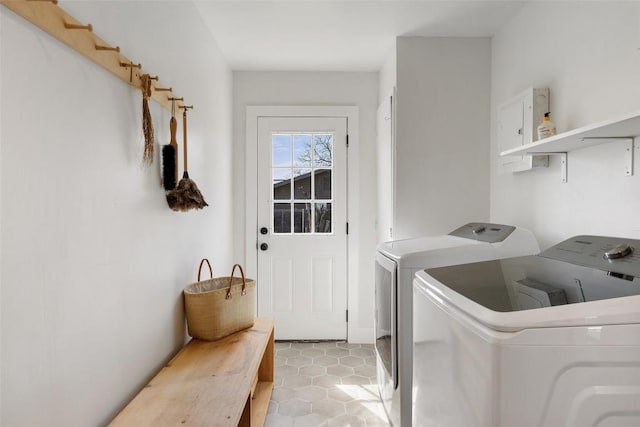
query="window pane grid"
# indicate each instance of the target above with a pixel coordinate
(302, 179)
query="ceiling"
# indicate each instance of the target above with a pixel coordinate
(339, 35)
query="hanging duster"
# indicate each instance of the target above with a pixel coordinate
(147, 124)
(170, 154)
(186, 196)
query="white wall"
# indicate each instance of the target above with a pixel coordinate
(93, 261)
(385, 175)
(321, 88)
(587, 54)
(442, 134)
(387, 75)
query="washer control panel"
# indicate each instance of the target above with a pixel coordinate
(611, 254)
(484, 232)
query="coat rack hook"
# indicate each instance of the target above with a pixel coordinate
(115, 49)
(176, 99)
(163, 89)
(130, 65)
(186, 107)
(48, 1)
(153, 78)
(87, 27)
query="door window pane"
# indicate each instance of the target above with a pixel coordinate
(302, 175)
(281, 150)
(322, 184)
(302, 150)
(282, 217)
(323, 218)
(281, 184)
(323, 150)
(302, 184)
(302, 218)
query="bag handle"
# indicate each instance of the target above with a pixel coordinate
(244, 282)
(208, 265)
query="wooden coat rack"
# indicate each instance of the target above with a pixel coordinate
(48, 16)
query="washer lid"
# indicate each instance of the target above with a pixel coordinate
(423, 247)
(471, 242)
(533, 292)
(468, 234)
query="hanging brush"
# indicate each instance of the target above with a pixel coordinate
(170, 154)
(186, 196)
(147, 124)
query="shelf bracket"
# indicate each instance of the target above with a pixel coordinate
(629, 156)
(628, 151)
(563, 163)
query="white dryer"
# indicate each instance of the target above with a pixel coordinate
(548, 340)
(396, 264)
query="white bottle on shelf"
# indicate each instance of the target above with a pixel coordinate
(546, 128)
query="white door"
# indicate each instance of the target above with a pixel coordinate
(302, 226)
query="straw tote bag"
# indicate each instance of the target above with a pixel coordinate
(219, 306)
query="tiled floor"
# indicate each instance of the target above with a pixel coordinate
(325, 384)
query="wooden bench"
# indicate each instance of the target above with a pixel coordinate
(222, 383)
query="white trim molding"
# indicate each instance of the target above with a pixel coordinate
(351, 113)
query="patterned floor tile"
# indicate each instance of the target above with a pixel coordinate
(311, 394)
(340, 370)
(325, 361)
(325, 384)
(337, 352)
(328, 408)
(294, 408)
(327, 381)
(277, 420)
(314, 370)
(356, 379)
(309, 420)
(352, 361)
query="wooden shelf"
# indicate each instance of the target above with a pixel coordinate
(624, 127)
(222, 383)
(260, 403)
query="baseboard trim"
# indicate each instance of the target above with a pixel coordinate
(361, 336)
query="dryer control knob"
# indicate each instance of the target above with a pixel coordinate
(478, 229)
(619, 251)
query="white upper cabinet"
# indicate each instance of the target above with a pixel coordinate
(518, 119)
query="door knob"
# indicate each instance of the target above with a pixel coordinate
(264, 246)
(264, 230)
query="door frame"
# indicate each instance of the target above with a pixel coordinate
(350, 113)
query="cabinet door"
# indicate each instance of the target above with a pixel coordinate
(511, 130)
(517, 123)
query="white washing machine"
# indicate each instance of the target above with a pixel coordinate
(548, 340)
(396, 264)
